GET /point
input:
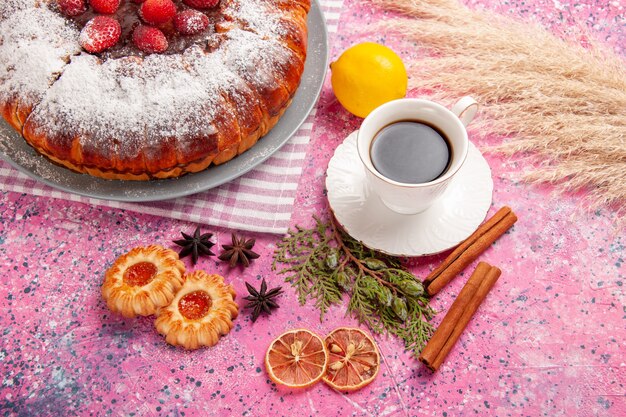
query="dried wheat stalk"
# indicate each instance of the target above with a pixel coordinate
(560, 102)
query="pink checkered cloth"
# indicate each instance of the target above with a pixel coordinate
(261, 200)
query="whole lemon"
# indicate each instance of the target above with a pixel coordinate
(367, 75)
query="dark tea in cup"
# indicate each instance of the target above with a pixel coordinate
(411, 152)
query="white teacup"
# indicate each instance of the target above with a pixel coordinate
(409, 198)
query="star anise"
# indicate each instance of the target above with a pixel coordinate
(195, 245)
(239, 251)
(262, 300)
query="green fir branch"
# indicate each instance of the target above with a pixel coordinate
(323, 262)
(307, 251)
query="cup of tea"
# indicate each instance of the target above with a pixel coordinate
(412, 149)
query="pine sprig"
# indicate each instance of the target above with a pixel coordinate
(307, 252)
(323, 262)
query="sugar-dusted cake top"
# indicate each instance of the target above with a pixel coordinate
(124, 92)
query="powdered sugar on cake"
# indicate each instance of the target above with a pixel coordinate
(257, 15)
(158, 96)
(254, 59)
(9, 7)
(36, 46)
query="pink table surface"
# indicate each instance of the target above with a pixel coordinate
(549, 339)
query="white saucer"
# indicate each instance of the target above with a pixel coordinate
(455, 216)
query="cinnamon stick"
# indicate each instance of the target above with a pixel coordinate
(470, 249)
(445, 329)
(459, 315)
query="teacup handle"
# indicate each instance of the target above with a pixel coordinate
(465, 109)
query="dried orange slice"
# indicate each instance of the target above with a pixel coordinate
(297, 359)
(354, 360)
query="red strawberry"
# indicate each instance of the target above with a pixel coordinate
(157, 12)
(100, 33)
(72, 7)
(149, 39)
(190, 22)
(201, 4)
(105, 6)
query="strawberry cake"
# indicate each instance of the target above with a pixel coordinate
(145, 89)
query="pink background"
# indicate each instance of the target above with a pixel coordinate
(549, 339)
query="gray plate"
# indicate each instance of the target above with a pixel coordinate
(20, 155)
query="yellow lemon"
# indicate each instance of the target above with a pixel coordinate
(367, 75)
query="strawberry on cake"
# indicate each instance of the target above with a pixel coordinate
(143, 89)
